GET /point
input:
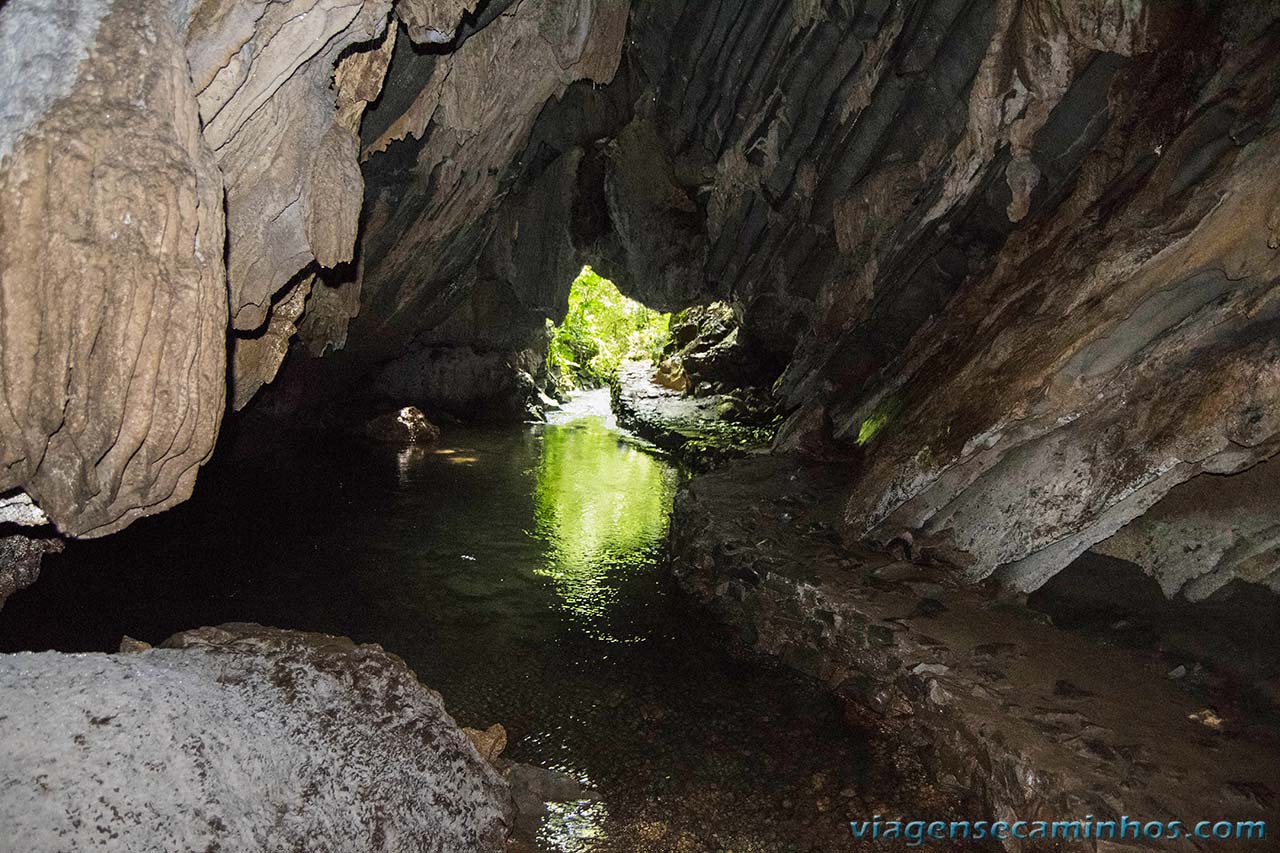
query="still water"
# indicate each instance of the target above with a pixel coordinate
(519, 572)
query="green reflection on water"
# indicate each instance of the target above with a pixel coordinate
(602, 508)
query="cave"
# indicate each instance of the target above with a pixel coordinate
(639, 425)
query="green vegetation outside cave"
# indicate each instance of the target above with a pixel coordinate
(602, 329)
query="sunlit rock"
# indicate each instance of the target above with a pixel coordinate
(407, 425)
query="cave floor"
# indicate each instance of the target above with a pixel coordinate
(1039, 722)
(518, 572)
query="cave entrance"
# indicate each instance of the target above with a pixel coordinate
(601, 331)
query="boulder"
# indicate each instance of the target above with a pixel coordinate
(403, 426)
(238, 738)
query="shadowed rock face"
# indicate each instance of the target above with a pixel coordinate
(251, 738)
(1022, 253)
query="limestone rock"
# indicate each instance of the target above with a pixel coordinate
(128, 127)
(130, 645)
(490, 742)
(255, 358)
(1025, 718)
(19, 509)
(239, 737)
(467, 383)
(266, 94)
(113, 333)
(1207, 532)
(468, 121)
(403, 426)
(20, 558)
(1020, 255)
(1093, 387)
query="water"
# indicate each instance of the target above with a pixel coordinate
(519, 573)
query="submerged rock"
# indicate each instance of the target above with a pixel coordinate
(238, 738)
(403, 426)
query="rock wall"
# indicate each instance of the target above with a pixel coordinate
(112, 335)
(463, 256)
(239, 738)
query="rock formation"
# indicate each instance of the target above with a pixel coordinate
(407, 425)
(1008, 268)
(1016, 255)
(1032, 721)
(239, 738)
(113, 334)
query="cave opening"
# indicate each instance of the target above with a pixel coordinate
(601, 330)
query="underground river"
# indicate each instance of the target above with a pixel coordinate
(519, 572)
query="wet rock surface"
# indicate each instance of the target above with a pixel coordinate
(407, 425)
(205, 162)
(1035, 721)
(468, 383)
(694, 429)
(1021, 253)
(238, 737)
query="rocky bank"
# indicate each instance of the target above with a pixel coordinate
(988, 696)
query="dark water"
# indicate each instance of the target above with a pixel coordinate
(519, 573)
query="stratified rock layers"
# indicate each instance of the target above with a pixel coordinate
(239, 738)
(1018, 255)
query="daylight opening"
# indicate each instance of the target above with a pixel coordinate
(602, 329)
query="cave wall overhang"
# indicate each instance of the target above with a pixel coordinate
(1032, 244)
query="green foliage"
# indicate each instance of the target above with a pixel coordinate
(871, 426)
(885, 412)
(602, 329)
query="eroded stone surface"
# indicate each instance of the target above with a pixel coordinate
(693, 429)
(445, 152)
(266, 78)
(20, 558)
(1022, 254)
(407, 425)
(113, 333)
(1207, 532)
(239, 737)
(1037, 722)
(129, 129)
